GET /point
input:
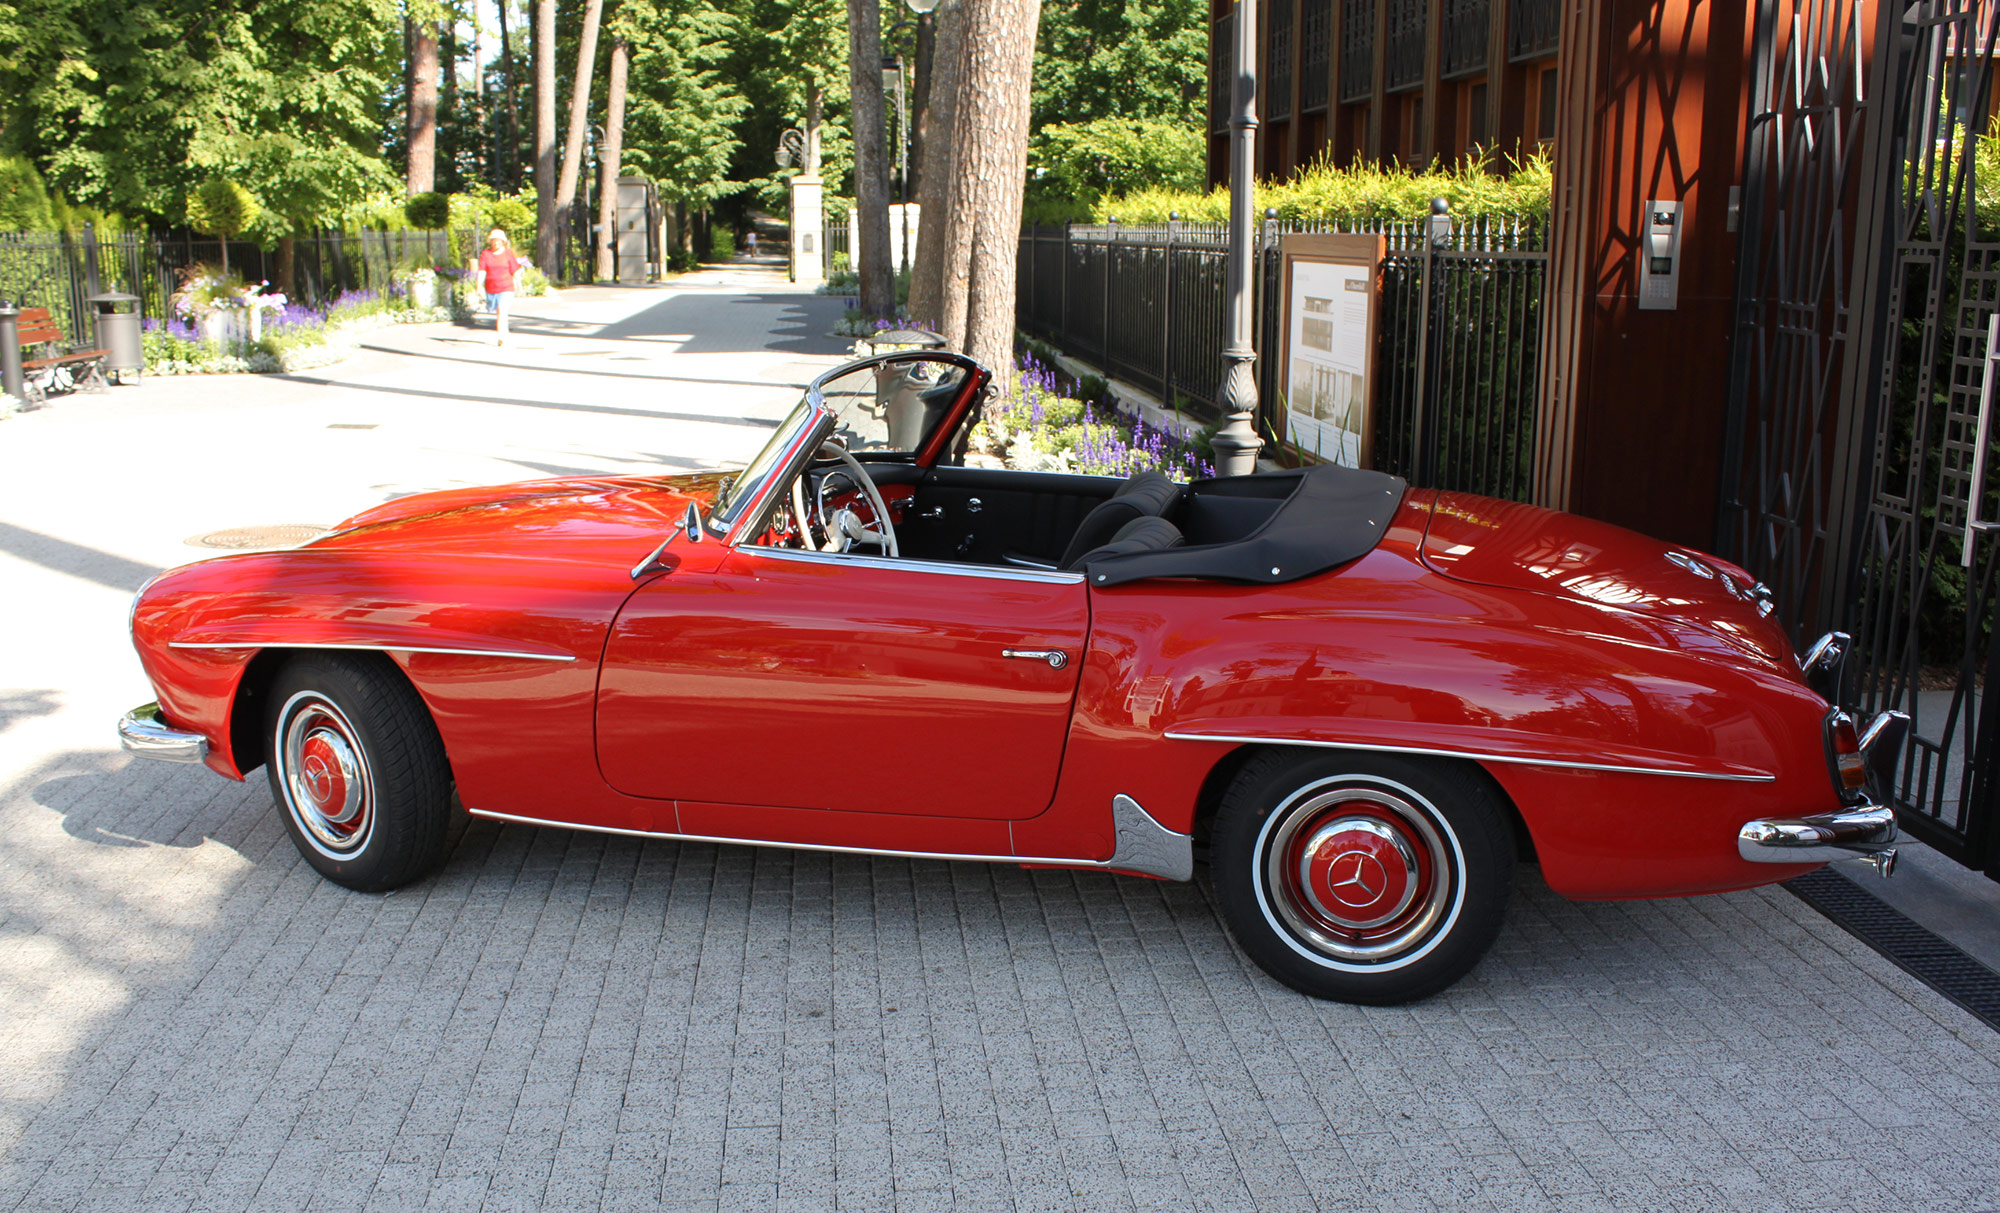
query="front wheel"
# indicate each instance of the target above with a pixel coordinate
(1365, 878)
(358, 770)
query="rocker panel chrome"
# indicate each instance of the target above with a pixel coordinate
(1143, 844)
(368, 648)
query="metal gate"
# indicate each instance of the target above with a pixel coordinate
(1869, 272)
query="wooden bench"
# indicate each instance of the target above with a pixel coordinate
(52, 371)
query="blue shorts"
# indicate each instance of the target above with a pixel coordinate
(495, 298)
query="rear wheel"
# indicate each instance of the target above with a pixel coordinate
(1367, 878)
(358, 770)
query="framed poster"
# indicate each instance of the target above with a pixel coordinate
(1327, 360)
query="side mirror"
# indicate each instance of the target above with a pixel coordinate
(691, 524)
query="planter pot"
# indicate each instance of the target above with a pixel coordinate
(423, 293)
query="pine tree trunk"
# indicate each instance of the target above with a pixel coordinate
(1000, 54)
(421, 177)
(447, 149)
(936, 175)
(288, 249)
(545, 135)
(614, 147)
(579, 104)
(871, 158)
(509, 175)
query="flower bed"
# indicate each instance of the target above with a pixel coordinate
(1050, 423)
(262, 333)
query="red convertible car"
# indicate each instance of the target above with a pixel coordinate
(1361, 703)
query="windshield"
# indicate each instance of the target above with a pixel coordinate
(893, 405)
(743, 489)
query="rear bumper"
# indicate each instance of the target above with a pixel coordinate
(145, 733)
(1855, 833)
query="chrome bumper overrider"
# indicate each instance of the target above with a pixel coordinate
(145, 734)
(1863, 832)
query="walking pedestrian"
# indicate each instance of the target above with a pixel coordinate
(753, 242)
(498, 268)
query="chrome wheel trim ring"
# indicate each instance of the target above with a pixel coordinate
(329, 789)
(1315, 809)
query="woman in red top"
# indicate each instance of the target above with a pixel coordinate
(498, 267)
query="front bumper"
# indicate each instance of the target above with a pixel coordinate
(144, 732)
(1863, 832)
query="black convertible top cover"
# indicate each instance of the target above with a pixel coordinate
(1312, 520)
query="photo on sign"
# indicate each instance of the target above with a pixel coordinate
(1326, 395)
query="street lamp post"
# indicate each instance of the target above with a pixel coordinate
(1236, 444)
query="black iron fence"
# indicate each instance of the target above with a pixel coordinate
(1457, 338)
(60, 271)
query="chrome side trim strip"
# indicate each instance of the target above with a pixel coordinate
(367, 648)
(987, 572)
(1122, 859)
(142, 732)
(1476, 756)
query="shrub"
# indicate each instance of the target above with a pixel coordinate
(24, 200)
(1325, 194)
(721, 243)
(532, 281)
(221, 207)
(428, 211)
(681, 261)
(1074, 163)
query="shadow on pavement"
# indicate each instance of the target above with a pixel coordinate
(575, 370)
(16, 706)
(92, 564)
(612, 410)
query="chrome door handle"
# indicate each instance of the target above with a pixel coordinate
(1056, 658)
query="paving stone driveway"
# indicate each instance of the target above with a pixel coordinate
(191, 1019)
(571, 1021)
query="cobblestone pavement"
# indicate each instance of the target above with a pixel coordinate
(191, 1019)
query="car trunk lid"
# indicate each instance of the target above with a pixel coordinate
(1512, 546)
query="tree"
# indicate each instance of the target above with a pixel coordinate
(545, 134)
(1128, 59)
(614, 146)
(682, 111)
(579, 104)
(422, 113)
(935, 179)
(222, 209)
(981, 234)
(165, 94)
(871, 157)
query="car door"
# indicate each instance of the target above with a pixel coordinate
(848, 683)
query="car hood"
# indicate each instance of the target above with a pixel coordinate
(1512, 546)
(529, 515)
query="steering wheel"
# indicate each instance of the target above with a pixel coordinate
(844, 529)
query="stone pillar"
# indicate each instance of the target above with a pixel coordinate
(808, 230)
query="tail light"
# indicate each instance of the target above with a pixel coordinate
(1844, 757)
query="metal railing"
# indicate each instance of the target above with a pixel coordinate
(1466, 26)
(1403, 61)
(59, 271)
(1457, 337)
(1276, 90)
(1357, 50)
(1534, 28)
(1315, 53)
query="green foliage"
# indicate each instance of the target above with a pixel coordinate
(721, 243)
(128, 105)
(221, 207)
(1072, 164)
(1131, 59)
(681, 112)
(680, 261)
(24, 200)
(428, 212)
(1323, 194)
(531, 281)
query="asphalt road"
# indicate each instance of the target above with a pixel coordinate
(191, 1019)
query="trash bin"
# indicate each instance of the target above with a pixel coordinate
(899, 389)
(117, 318)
